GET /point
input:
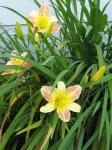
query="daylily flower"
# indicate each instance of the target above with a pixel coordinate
(99, 73)
(16, 61)
(62, 99)
(43, 21)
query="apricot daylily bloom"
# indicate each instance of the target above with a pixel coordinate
(43, 21)
(99, 73)
(16, 61)
(62, 99)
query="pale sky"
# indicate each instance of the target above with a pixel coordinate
(25, 6)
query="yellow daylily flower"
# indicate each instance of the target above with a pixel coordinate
(62, 99)
(16, 61)
(43, 20)
(99, 73)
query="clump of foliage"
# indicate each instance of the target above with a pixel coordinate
(73, 56)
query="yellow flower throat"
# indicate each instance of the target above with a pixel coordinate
(18, 62)
(43, 22)
(60, 99)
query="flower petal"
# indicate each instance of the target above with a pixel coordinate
(44, 10)
(9, 62)
(14, 53)
(7, 72)
(34, 13)
(24, 54)
(32, 16)
(56, 27)
(26, 64)
(64, 116)
(61, 85)
(32, 19)
(46, 92)
(74, 107)
(47, 108)
(53, 19)
(75, 91)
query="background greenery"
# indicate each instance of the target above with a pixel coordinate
(82, 46)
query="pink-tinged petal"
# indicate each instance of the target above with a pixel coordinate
(56, 27)
(32, 19)
(32, 16)
(64, 116)
(14, 53)
(74, 107)
(75, 91)
(47, 108)
(46, 92)
(8, 72)
(44, 10)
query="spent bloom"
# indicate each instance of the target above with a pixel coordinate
(99, 73)
(14, 60)
(43, 20)
(61, 99)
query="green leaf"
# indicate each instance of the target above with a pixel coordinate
(90, 141)
(81, 139)
(11, 129)
(100, 55)
(108, 127)
(6, 87)
(44, 70)
(88, 30)
(30, 127)
(104, 110)
(79, 69)
(71, 133)
(37, 138)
